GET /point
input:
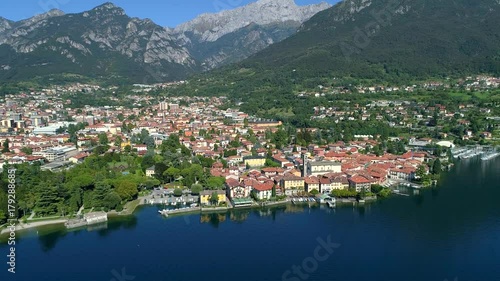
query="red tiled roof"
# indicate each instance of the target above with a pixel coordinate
(263, 186)
(359, 180)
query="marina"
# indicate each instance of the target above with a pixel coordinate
(486, 152)
(490, 156)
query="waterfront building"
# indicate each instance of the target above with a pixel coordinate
(263, 191)
(311, 183)
(292, 184)
(237, 190)
(206, 195)
(407, 174)
(360, 183)
(95, 217)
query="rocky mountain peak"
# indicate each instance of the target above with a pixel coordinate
(109, 7)
(106, 6)
(4, 24)
(50, 14)
(211, 27)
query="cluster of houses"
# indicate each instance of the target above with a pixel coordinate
(207, 131)
(468, 83)
(335, 169)
(404, 114)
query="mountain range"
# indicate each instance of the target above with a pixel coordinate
(269, 43)
(388, 40)
(106, 44)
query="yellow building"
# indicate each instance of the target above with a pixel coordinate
(255, 161)
(292, 184)
(124, 144)
(205, 196)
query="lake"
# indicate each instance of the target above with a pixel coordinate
(451, 232)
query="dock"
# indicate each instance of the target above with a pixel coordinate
(486, 152)
(181, 210)
(490, 156)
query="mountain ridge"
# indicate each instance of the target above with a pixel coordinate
(105, 42)
(420, 39)
(212, 26)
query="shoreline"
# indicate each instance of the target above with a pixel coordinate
(35, 224)
(140, 202)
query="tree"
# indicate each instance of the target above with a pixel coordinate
(126, 189)
(177, 192)
(376, 188)
(3, 217)
(147, 161)
(150, 142)
(253, 195)
(214, 199)
(215, 182)
(196, 189)
(118, 141)
(47, 201)
(192, 174)
(103, 139)
(160, 169)
(5, 148)
(112, 200)
(101, 190)
(436, 167)
(421, 171)
(273, 191)
(27, 150)
(270, 163)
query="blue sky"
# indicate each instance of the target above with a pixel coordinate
(163, 12)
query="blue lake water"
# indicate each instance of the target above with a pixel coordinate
(447, 233)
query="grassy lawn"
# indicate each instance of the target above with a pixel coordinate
(460, 96)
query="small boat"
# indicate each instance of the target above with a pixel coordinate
(164, 212)
(194, 205)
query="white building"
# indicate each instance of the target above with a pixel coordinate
(323, 167)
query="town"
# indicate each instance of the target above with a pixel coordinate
(222, 156)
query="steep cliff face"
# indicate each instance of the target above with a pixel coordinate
(233, 35)
(211, 27)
